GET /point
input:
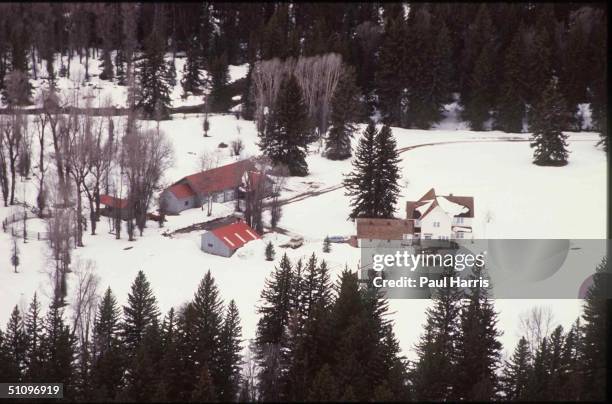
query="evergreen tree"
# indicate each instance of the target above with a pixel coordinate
(365, 351)
(219, 76)
(435, 370)
(187, 377)
(286, 134)
(442, 66)
(540, 376)
(556, 376)
(153, 96)
(8, 369)
(391, 89)
(309, 329)
(326, 245)
(269, 252)
(247, 107)
(107, 356)
(596, 316)
(16, 343)
(120, 73)
(170, 373)
(324, 386)
(599, 86)
(344, 112)
(427, 70)
(476, 35)
(478, 348)
(483, 86)
(143, 369)
(387, 173)
(511, 107)
(537, 63)
(547, 125)
(204, 391)
(140, 313)
(171, 74)
(571, 374)
(229, 356)
(191, 82)
(360, 182)
(574, 66)
(58, 346)
(208, 317)
(271, 337)
(517, 372)
(34, 332)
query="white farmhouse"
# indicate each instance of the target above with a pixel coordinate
(441, 217)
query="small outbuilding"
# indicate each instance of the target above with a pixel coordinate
(225, 240)
(113, 206)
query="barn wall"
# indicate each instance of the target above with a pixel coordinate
(212, 245)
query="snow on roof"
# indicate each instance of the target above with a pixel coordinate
(451, 208)
(235, 235)
(462, 206)
(424, 207)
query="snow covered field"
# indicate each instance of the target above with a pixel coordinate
(513, 199)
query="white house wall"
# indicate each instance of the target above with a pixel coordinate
(436, 215)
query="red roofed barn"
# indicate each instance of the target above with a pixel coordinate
(222, 184)
(113, 205)
(225, 240)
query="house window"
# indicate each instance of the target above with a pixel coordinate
(459, 220)
(427, 236)
(186, 203)
(210, 245)
(436, 224)
(459, 234)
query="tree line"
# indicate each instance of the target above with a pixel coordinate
(408, 61)
(316, 340)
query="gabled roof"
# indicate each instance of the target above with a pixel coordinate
(220, 178)
(181, 191)
(235, 235)
(113, 202)
(383, 229)
(430, 201)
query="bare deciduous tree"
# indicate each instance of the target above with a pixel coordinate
(276, 208)
(255, 190)
(60, 240)
(150, 155)
(85, 302)
(12, 130)
(52, 109)
(24, 160)
(102, 152)
(237, 146)
(41, 169)
(535, 324)
(78, 158)
(207, 160)
(318, 77)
